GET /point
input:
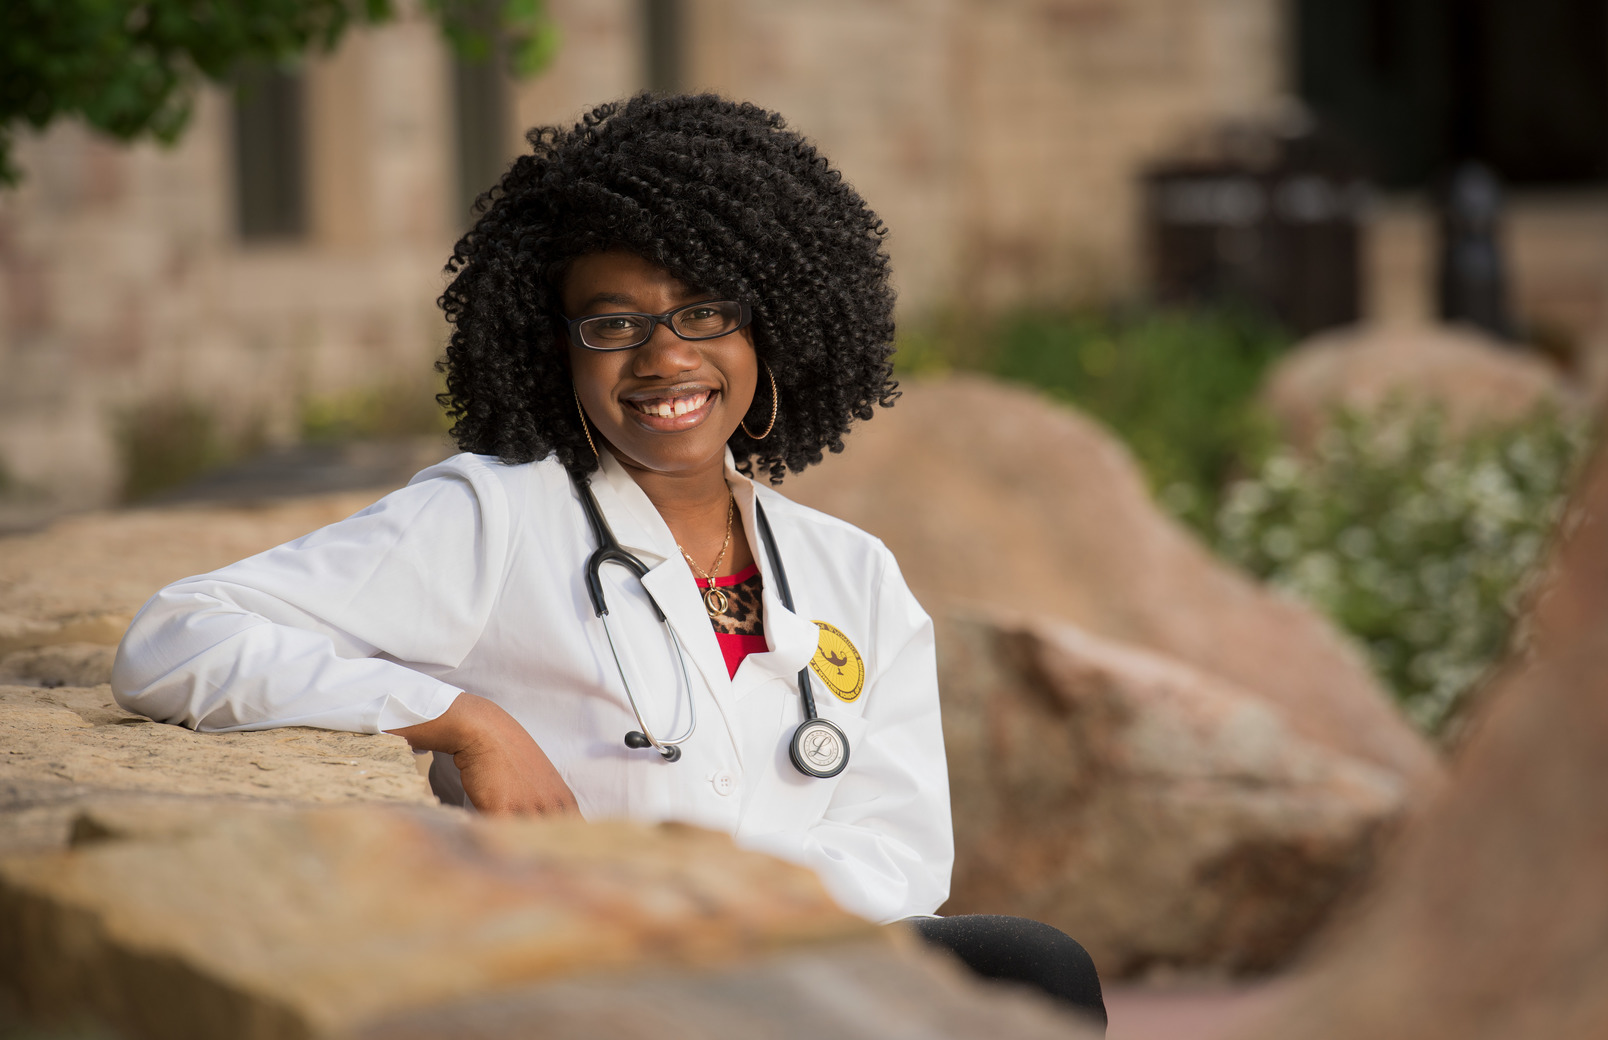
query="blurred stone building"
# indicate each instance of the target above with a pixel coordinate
(292, 243)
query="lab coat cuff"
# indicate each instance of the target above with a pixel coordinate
(424, 701)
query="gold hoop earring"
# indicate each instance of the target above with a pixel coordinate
(586, 427)
(775, 401)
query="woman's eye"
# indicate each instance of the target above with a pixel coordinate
(702, 313)
(617, 324)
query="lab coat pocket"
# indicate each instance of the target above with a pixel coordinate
(784, 799)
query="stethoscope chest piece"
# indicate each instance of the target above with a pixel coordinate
(819, 749)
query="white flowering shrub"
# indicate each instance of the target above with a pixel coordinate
(1420, 544)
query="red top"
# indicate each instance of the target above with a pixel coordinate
(736, 647)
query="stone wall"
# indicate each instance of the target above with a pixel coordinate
(124, 281)
(998, 139)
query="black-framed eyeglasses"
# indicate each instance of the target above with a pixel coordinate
(707, 319)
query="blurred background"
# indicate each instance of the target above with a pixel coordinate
(1324, 281)
(1140, 207)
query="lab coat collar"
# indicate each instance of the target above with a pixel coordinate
(637, 526)
(640, 529)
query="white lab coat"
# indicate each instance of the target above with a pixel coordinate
(470, 578)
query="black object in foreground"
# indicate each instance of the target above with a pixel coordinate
(1016, 949)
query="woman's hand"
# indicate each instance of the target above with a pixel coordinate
(504, 771)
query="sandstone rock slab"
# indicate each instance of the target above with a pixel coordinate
(60, 747)
(867, 991)
(331, 922)
(1491, 919)
(1162, 816)
(992, 494)
(60, 664)
(1473, 378)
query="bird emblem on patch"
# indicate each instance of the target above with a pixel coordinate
(838, 664)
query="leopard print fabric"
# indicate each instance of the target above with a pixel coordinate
(744, 613)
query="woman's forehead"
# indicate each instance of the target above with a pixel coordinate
(619, 278)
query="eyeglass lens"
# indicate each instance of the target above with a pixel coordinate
(695, 321)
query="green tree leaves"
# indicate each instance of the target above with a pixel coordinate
(130, 68)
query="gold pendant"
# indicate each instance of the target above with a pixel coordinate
(714, 601)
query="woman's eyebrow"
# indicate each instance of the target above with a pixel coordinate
(622, 300)
(617, 299)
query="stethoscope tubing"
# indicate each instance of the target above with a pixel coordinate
(608, 551)
(786, 594)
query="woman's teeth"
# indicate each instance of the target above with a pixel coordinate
(669, 407)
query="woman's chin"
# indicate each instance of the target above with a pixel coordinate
(671, 451)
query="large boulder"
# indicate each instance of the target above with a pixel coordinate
(61, 748)
(1474, 379)
(1491, 919)
(1163, 816)
(381, 921)
(991, 494)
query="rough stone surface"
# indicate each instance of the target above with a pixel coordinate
(60, 664)
(1166, 818)
(1474, 378)
(60, 747)
(1492, 918)
(859, 992)
(324, 922)
(989, 493)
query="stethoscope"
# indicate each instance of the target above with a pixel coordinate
(818, 748)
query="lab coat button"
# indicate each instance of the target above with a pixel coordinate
(724, 783)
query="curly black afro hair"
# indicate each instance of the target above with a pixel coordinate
(729, 200)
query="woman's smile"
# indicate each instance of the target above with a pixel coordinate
(672, 409)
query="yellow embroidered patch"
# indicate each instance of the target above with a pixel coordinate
(838, 664)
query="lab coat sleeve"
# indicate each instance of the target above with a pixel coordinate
(885, 845)
(310, 633)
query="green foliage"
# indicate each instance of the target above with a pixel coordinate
(1178, 386)
(397, 409)
(1420, 544)
(519, 29)
(163, 444)
(130, 68)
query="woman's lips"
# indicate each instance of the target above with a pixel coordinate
(673, 411)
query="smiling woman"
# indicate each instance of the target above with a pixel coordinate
(728, 203)
(654, 305)
(665, 390)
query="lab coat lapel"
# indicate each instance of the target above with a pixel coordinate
(791, 637)
(639, 529)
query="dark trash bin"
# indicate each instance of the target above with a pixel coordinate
(1273, 222)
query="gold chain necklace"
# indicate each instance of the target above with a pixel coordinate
(714, 598)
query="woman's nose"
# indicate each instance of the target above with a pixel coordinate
(665, 354)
